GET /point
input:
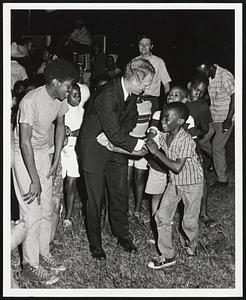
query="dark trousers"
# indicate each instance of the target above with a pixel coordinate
(114, 178)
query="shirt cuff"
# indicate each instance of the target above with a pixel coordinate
(139, 145)
(152, 127)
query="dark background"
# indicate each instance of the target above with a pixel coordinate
(180, 36)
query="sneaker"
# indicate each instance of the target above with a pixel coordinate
(158, 263)
(39, 274)
(67, 223)
(190, 251)
(52, 264)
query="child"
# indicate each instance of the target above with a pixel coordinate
(157, 179)
(70, 168)
(186, 182)
(32, 168)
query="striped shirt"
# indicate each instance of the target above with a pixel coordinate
(183, 146)
(144, 115)
(220, 89)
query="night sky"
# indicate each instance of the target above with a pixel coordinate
(180, 36)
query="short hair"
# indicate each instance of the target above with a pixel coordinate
(75, 86)
(180, 108)
(205, 60)
(61, 70)
(25, 40)
(181, 87)
(138, 68)
(199, 78)
(145, 36)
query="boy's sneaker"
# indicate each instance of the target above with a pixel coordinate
(39, 274)
(190, 251)
(159, 263)
(51, 263)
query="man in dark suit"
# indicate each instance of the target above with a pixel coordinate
(112, 111)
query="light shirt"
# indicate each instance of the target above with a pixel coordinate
(17, 73)
(39, 110)
(183, 146)
(220, 89)
(161, 75)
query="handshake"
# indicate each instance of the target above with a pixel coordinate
(149, 146)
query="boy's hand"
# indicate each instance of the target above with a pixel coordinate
(152, 146)
(102, 139)
(67, 131)
(34, 192)
(226, 125)
(53, 170)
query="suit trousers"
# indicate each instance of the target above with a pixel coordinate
(38, 218)
(216, 149)
(114, 178)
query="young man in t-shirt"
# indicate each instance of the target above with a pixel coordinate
(33, 169)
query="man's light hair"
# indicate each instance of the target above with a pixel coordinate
(138, 68)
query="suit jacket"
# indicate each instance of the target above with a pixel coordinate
(107, 112)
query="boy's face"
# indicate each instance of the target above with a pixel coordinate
(170, 120)
(74, 97)
(175, 95)
(197, 90)
(62, 88)
(145, 46)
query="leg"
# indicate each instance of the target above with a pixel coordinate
(205, 142)
(139, 186)
(155, 202)
(164, 220)
(191, 195)
(71, 189)
(218, 149)
(116, 178)
(96, 193)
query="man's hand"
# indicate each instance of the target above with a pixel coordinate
(152, 146)
(34, 192)
(102, 139)
(226, 125)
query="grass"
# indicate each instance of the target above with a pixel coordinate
(213, 267)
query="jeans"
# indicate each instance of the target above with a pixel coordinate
(191, 196)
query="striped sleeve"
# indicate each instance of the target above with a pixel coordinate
(186, 148)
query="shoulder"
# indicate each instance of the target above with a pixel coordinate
(224, 73)
(157, 59)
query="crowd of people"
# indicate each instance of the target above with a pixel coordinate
(122, 140)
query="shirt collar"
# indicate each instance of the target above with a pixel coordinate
(126, 94)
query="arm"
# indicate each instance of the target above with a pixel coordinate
(28, 158)
(113, 148)
(59, 139)
(166, 87)
(75, 133)
(174, 165)
(228, 121)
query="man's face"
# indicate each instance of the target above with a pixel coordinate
(197, 90)
(175, 95)
(139, 87)
(62, 89)
(170, 120)
(74, 97)
(145, 46)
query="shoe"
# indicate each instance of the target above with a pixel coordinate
(158, 263)
(39, 274)
(67, 223)
(208, 221)
(51, 263)
(98, 254)
(219, 184)
(190, 251)
(127, 244)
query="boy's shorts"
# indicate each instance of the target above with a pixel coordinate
(69, 162)
(156, 182)
(139, 163)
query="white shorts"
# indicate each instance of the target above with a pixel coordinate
(156, 182)
(139, 163)
(69, 162)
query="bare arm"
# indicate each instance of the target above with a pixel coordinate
(174, 165)
(28, 158)
(228, 121)
(59, 140)
(167, 87)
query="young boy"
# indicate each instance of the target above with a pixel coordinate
(186, 182)
(157, 179)
(70, 168)
(32, 168)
